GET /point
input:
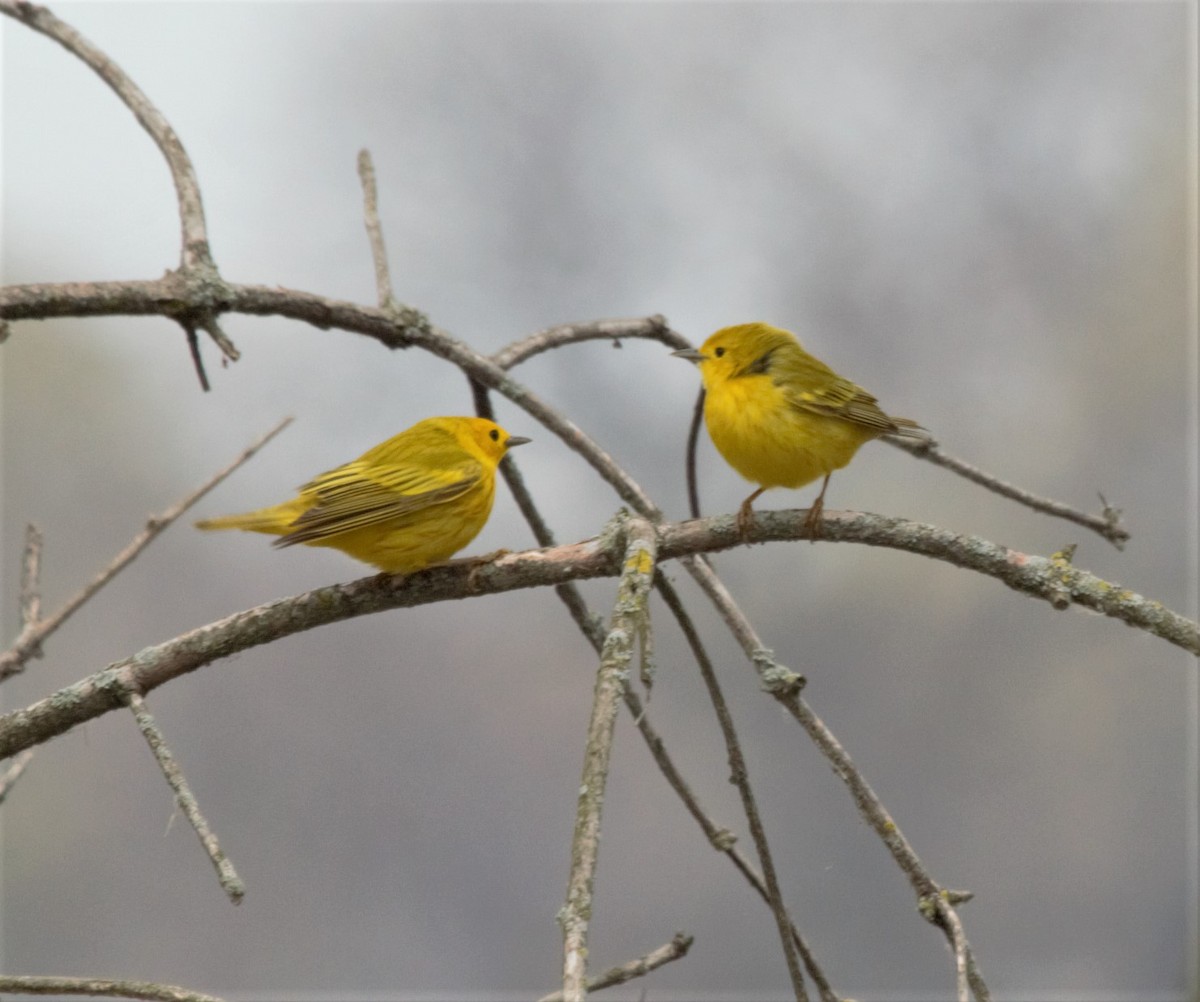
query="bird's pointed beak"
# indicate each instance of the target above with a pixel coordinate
(515, 440)
(691, 354)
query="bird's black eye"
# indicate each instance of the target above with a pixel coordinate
(495, 434)
(719, 352)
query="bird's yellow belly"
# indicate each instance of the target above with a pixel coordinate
(408, 544)
(770, 442)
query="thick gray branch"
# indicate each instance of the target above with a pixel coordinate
(1042, 577)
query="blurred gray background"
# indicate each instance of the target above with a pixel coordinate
(978, 211)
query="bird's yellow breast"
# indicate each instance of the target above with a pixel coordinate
(772, 443)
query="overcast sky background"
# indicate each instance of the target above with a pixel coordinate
(977, 211)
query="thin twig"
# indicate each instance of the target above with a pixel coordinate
(13, 772)
(693, 439)
(630, 608)
(740, 777)
(213, 328)
(147, 990)
(939, 910)
(653, 328)
(187, 189)
(193, 344)
(674, 950)
(231, 883)
(1107, 524)
(383, 278)
(785, 686)
(31, 587)
(32, 635)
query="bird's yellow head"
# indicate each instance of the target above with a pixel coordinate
(741, 350)
(484, 439)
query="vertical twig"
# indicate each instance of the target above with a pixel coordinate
(611, 679)
(693, 489)
(383, 279)
(231, 883)
(31, 585)
(193, 344)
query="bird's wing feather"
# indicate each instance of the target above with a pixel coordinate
(365, 493)
(825, 392)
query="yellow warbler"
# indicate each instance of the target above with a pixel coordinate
(780, 417)
(414, 500)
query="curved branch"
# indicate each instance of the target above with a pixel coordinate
(195, 253)
(181, 296)
(654, 328)
(1049, 578)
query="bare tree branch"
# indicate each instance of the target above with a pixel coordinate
(693, 489)
(674, 950)
(31, 572)
(14, 772)
(32, 634)
(939, 910)
(785, 686)
(1107, 524)
(740, 777)
(383, 278)
(630, 610)
(653, 328)
(592, 628)
(38, 985)
(231, 883)
(193, 344)
(196, 252)
(1037, 576)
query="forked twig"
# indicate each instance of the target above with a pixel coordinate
(32, 634)
(674, 950)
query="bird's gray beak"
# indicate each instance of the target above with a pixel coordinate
(691, 354)
(515, 440)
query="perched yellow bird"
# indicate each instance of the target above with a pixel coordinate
(414, 500)
(782, 418)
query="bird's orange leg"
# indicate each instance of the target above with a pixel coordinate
(745, 513)
(812, 523)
